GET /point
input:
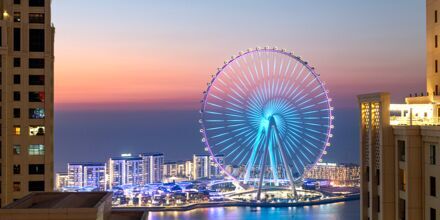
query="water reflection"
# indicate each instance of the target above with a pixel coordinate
(336, 211)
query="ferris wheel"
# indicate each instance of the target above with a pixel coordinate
(268, 111)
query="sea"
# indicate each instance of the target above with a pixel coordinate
(349, 210)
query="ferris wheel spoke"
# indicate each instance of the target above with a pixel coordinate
(256, 87)
(227, 147)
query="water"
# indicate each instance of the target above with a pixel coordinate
(337, 211)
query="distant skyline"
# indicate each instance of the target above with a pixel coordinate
(129, 75)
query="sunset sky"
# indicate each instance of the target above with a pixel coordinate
(147, 63)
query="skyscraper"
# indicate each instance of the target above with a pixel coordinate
(399, 145)
(26, 67)
(142, 169)
(87, 175)
(201, 166)
(215, 171)
(153, 169)
(124, 170)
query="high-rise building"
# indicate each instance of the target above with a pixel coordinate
(87, 175)
(153, 169)
(61, 180)
(125, 170)
(169, 169)
(201, 166)
(215, 171)
(26, 81)
(400, 145)
(337, 174)
(189, 169)
(204, 166)
(145, 168)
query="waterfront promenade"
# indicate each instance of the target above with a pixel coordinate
(241, 204)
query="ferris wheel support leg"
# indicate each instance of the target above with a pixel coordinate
(286, 165)
(266, 150)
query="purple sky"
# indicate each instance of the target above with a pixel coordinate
(129, 74)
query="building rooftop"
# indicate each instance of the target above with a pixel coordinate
(88, 163)
(151, 154)
(68, 205)
(51, 200)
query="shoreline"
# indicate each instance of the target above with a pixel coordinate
(239, 204)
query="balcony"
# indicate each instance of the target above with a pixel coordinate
(414, 114)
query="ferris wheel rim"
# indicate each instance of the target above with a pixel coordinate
(220, 71)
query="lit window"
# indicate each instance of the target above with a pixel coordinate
(17, 130)
(36, 149)
(37, 130)
(36, 18)
(36, 96)
(36, 113)
(16, 149)
(17, 16)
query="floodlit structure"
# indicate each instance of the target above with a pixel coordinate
(145, 168)
(400, 143)
(87, 175)
(267, 108)
(61, 180)
(201, 166)
(27, 72)
(337, 174)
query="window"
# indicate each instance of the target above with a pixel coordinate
(36, 96)
(37, 130)
(401, 149)
(17, 16)
(367, 174)
(17, 2)
(402, 180)
(36, 113)
(36, 40)
(36, 169)
(36, 80)
(436, 41)
(17, 96)
(36, 186)
(432, 186)
(368, 199)
(17, 39)
(436, 66)
(36, 149)
(16, 149)
(17, 62)
(378, 203)
(37, 18)
(433, 214)
(16, 187)
(432, 159)
(16, 113)
(36, 3)
(435, 16)
(402, 209)
(36, 63)
(378, 177)
(16, 169)
(17, 130)
(17, 79)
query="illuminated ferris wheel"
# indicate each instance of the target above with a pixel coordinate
(267, 109)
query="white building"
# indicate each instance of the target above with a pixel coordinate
(153, 170)
(87, 175)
